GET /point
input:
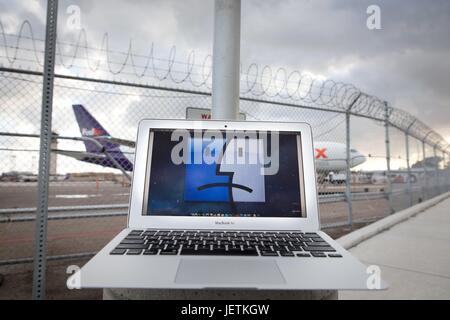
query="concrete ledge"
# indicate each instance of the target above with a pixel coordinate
(176, 294)
(354, 238)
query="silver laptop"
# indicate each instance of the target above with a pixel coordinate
(223, 204)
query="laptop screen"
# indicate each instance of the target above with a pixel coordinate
(206, 173)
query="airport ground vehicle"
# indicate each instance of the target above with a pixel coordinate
(336, 178)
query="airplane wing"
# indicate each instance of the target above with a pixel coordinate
(123, 142)
(80, 155)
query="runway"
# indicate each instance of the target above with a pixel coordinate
(24, 194)
(90, 234)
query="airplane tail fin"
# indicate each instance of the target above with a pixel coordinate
(90, 127)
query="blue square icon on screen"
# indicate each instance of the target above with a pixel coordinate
(223, 181)
(202, 182)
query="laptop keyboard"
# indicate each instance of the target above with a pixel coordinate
(225, 243)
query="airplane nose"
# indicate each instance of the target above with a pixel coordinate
(360, 158)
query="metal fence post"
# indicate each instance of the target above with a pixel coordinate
(425, 171)
(40, 245)
(436, 170)
(388, 156)
(447, 170)
(444, 177)
(348, 191)
(427, 185)
(408, 187)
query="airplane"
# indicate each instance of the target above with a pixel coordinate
(330, 156)
(91, 128)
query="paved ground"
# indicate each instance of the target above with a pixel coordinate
(17, 283)
(414, 257)
(24, 195)
(91, 234)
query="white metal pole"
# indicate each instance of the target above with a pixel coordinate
(226, 55)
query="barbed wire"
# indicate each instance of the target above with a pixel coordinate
(266, 83)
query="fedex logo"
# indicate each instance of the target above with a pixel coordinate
(92, 132)
(321, 153)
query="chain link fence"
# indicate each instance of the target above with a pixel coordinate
(386, 161)
(80, 187)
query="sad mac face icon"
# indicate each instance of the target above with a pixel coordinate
(226, 167)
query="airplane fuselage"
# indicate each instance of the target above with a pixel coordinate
(332, 156)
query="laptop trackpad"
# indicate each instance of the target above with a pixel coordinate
(228, 271)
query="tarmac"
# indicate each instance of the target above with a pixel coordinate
(69, 236)
(73, 236)
(413, 255)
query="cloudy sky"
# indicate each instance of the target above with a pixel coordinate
(407, 62)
